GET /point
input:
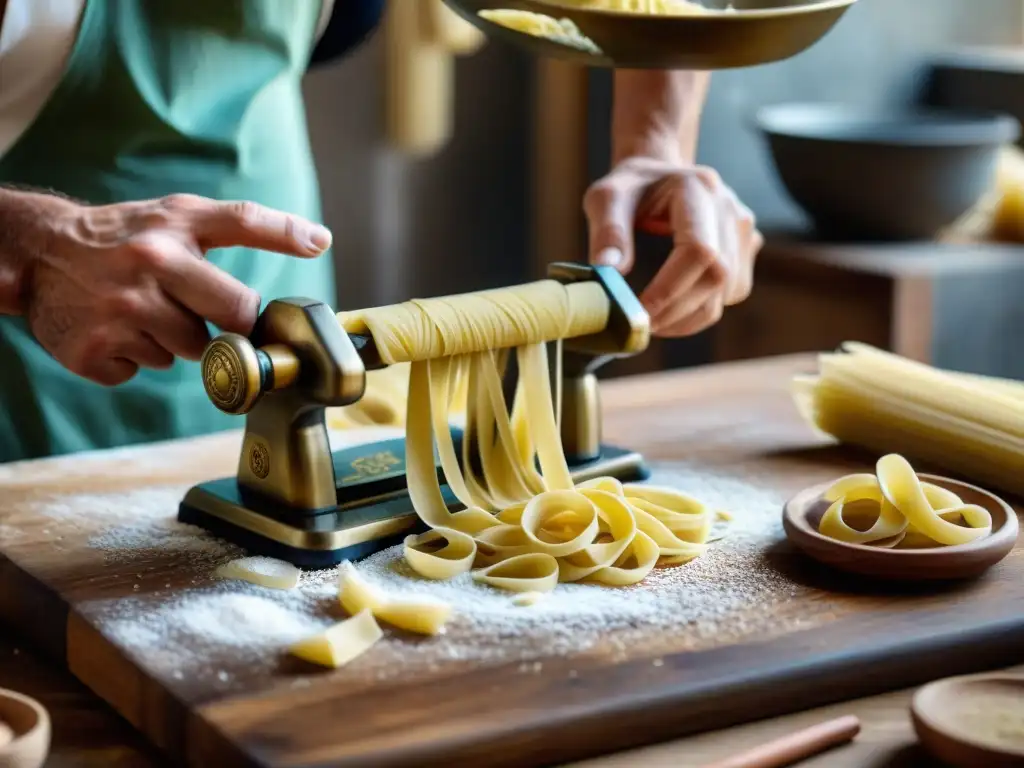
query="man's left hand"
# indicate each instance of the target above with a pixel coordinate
(715, 238)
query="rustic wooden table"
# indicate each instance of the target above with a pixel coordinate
(87, 733)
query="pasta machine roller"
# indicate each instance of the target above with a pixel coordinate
(294, 499)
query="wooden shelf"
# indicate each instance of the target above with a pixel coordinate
(952, 305)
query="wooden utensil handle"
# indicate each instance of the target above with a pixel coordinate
(796, 746)
(652, 225)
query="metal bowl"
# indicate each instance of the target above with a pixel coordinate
(761, 31)
(891, 175)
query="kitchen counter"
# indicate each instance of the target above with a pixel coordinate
(87, 733)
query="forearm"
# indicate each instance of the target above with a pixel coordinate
(657, 113)
(23, 235)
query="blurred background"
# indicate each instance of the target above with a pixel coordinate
(502, 197)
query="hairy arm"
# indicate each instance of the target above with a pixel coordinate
(23, 235)
(657, 114)
(108, 289)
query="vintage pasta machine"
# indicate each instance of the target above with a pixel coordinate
(295, 500)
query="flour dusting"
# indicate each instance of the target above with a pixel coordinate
(233, 626)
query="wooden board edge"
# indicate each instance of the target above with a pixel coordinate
(148, 705)
(822, 666)
(33, 610)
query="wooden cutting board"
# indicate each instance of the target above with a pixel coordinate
(92, 570)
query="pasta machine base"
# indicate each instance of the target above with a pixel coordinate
(373, 509)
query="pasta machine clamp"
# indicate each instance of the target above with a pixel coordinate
(292, 498)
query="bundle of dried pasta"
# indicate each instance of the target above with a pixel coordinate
(971, 425)
(521, 529)
(893, 508)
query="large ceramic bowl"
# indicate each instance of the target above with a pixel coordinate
(872, 174)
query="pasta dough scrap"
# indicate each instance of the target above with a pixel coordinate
(262, 571)
(524, 530)
(422, 616)
(904, 512)
(341, 643)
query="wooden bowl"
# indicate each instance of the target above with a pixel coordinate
(761, 31)
(31, 726)
(957, 720)
(803, 512)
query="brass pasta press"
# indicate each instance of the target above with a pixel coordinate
(293, 499)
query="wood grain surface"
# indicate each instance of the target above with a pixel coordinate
(835, 637)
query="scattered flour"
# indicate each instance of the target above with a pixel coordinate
(235, 627)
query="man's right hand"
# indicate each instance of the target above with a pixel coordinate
(109, 289)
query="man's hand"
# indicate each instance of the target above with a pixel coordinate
(109, 289)
(715, 240)
(655, 185)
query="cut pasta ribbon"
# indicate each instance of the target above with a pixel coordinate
(524, 530)
(902, 511)
(422, 616)
(341, 643)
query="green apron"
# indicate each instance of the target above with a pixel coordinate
(158, 97)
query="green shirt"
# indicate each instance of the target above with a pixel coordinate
(161, 97)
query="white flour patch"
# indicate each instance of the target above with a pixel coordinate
(231, 626)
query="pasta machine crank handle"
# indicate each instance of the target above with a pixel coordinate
(627, 333)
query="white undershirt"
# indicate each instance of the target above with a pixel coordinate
(36, 38)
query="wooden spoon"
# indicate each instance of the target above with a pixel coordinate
(973, 720)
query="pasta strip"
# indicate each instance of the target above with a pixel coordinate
(918, 514)
(523, 529)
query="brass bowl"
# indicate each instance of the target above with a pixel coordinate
(760, 32)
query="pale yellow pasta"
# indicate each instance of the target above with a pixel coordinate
(902, 489)
(906, 512)
(341, 643)
(561, 31)
(262, 571)
(970, 425)
(383, 404)
(523, 529)
(523, 573)
(422, 616)
(973, 426)
(440, 554)
(648, 7)
(564, 31)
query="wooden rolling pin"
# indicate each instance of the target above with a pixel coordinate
(787, 750)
